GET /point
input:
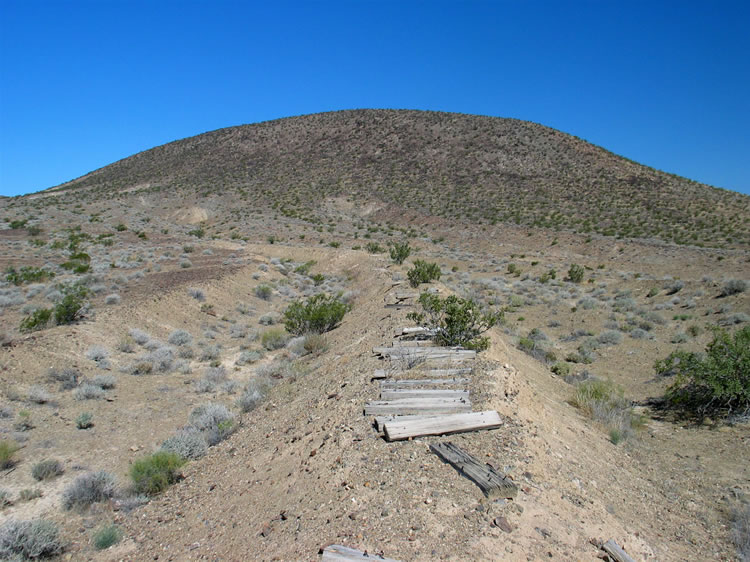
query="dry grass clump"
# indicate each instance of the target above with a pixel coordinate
(47, 469)
(604, 402)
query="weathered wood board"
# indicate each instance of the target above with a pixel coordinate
(417, 406)
(339, 553)
(449, 372)
(423, 351)
(413, 343)
(380, 421)
(397, 430)
(492, 483)
(414, 330)
(616, 552)
(411, 383)
(408, 393)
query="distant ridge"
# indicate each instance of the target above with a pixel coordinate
(466, 168)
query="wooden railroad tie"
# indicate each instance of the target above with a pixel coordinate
(398, 429)
(339, 553)
(493, 484)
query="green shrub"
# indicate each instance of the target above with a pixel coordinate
(575, 273)
(47, 469)
(561, 369)
(374, 248)
(714, 382)
(7, 450)
(35, 321)
(155, 473)
(320, 313)
(197, 232)
(106, 536)
(263, 292)
(457, 321)
(423, 272)
(400, 251)
(71, 307)
(29, 540)
(27, 274)
(85, 420)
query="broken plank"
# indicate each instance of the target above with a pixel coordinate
(417, 406)
(409, 383)
(449, 372)
(422, 351)
(407, 393)
(616, 552)
(339, 553)
(414, 330)
(492, 483)
(397, 430)
(379, 374)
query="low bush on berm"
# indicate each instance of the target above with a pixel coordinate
(70, 309)
(716, 382)
(155, 473)
(423, 272)
(320, 313)
(457, 321)
(29, 540)
(604, 402)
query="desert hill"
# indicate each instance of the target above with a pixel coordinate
(179, 264)
(465, 168)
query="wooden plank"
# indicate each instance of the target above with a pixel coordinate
(339, 553)
(422, 351)
(406, 295)
(379, 374)
(408, 393)
(413, 330)
(449, 372)
(417, 406)
(397, 430)
(409, 383)
(380, 421)
(492, 483)
(414, 343)
(616, 552)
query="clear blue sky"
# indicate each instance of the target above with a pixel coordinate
(83, 84)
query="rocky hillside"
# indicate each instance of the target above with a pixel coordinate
(468, 169)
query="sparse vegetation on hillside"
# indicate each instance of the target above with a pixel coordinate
(320, 313)
(423, 272)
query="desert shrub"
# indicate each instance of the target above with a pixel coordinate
(156, 472)
(610, 337)
(575, 273)
(640, 334)
(675, 287)
(717, 381)
(47, 469)
(251, 396)
(106, 536)
(561, 369)
(85, 420)
(98, 355)
(187, 443)
(161, 358)
(740, 533)
(652, 292)
(604, 402)
(423, 272)
(248, 357)
(89, 488)
(29, 540)
(72, 305)
(197, 294)
(456, 321)
(112, 299)
(7, 450)
(679, 337)
(39, 395)
(24, 422)
(5, 499)
(27, 274)
(105, 382)
(180, 337)
(214, 421)
(88, 391)
(268, 319)
(28, 494)
(274, 339)
(315, 343)
(319, 314)
(37, 320)
(736, 318)
(210, 353)
(399, 251)
(374, 248)
(263, 292)
(733, 287)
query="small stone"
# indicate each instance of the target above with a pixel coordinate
(503, 524)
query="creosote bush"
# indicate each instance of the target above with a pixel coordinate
(714, 382)
(575, 273)
(457, 321)
(399, 251)
(423, 272)
(155, 473)
(320, 313)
